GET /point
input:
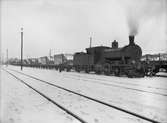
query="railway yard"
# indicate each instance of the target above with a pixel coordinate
(49, 96)
(83, 61)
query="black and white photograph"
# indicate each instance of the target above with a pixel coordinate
(83, 61)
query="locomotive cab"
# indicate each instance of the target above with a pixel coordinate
(97, 53)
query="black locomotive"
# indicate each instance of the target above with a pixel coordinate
(111, 60)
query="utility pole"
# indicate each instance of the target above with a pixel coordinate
(6, 57)
(50, 51)
(21, 48)
(90, 42)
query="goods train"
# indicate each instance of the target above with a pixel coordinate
(112, 60)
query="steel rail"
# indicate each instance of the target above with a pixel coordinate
(93, 99)
(49, 99)
(119, 86)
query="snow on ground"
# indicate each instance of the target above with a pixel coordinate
(19, 104)
(148, 103)
(91, 111)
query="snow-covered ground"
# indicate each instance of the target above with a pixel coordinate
(145, 96)
(20, 104)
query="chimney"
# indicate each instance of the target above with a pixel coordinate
(131, 39)
(114, 44)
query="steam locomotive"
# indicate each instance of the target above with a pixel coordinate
(111, 60)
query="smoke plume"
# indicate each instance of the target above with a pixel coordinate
(139, 11)
(133, 24)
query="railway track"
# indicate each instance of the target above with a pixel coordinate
(50, 100)
(117, 82)
(119, 86)
(82, 95)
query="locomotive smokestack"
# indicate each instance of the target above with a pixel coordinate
(131, 39)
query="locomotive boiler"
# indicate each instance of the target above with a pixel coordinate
(111, 60)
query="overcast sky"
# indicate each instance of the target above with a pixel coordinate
(66, 25)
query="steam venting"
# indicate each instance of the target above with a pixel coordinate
(133, 25)
(140, 11)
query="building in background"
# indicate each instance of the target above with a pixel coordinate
(155, 57)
